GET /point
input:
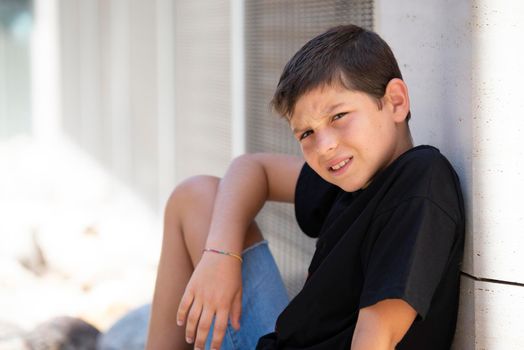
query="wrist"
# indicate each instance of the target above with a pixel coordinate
(223, 252)
(228, 243)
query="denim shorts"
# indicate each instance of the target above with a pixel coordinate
(264, 296)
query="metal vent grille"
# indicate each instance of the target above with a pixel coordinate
(202, 87)
(275, 30)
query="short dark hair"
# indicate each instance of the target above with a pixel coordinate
(357, 58)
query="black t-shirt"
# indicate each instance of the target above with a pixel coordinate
(401, 237)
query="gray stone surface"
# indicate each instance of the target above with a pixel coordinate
(63, 333)
(127, 333)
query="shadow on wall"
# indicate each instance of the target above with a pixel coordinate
(434, 48)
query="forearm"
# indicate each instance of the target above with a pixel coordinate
(382, 325)
(250, 181)
(241, 194)
(366, 339)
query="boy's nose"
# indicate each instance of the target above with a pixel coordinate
(326, 142)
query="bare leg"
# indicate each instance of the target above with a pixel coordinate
(186, 224)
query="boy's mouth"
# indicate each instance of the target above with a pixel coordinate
(340, 165)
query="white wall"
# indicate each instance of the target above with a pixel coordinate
(153, 90)
(203, 89)
(462, 63)
(45, 71)
(117, 88)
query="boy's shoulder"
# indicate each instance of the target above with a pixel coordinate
(421, 157)
(422, 163)
(422, 172)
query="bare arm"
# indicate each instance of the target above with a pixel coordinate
(383, 325)
(250, 181)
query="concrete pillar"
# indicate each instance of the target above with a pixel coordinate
(45, 67)
(498, 141)
(462, 62)
(494, 254)
(119, 82)
(166, 98)
(238, 76)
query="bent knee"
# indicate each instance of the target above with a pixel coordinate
(198, 184)
(193, 189)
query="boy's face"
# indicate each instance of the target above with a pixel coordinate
(345, 137)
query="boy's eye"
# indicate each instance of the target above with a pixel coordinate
(305, 134)
(338, 116)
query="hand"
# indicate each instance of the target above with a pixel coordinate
(215, 289)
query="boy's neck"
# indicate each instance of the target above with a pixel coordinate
(406, 141)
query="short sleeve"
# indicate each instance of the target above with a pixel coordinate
(407, 253)
(314, 198)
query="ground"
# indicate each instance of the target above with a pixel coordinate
(73, 239)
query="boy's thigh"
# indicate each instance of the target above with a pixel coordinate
(264, 296)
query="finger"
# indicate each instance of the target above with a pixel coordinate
(236, 311)
(219, 330)
(192, 321)
(183, 308)
(203, 328)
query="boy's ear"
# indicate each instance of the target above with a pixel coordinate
(398, 98)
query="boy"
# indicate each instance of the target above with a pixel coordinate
(388, 216)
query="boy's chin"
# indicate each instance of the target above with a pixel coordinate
(345, 184)
(351, 187)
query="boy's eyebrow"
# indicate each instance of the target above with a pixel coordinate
(332, 108)
(295, 130)
(328, 111)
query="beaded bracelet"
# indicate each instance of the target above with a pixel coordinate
(236, 256)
